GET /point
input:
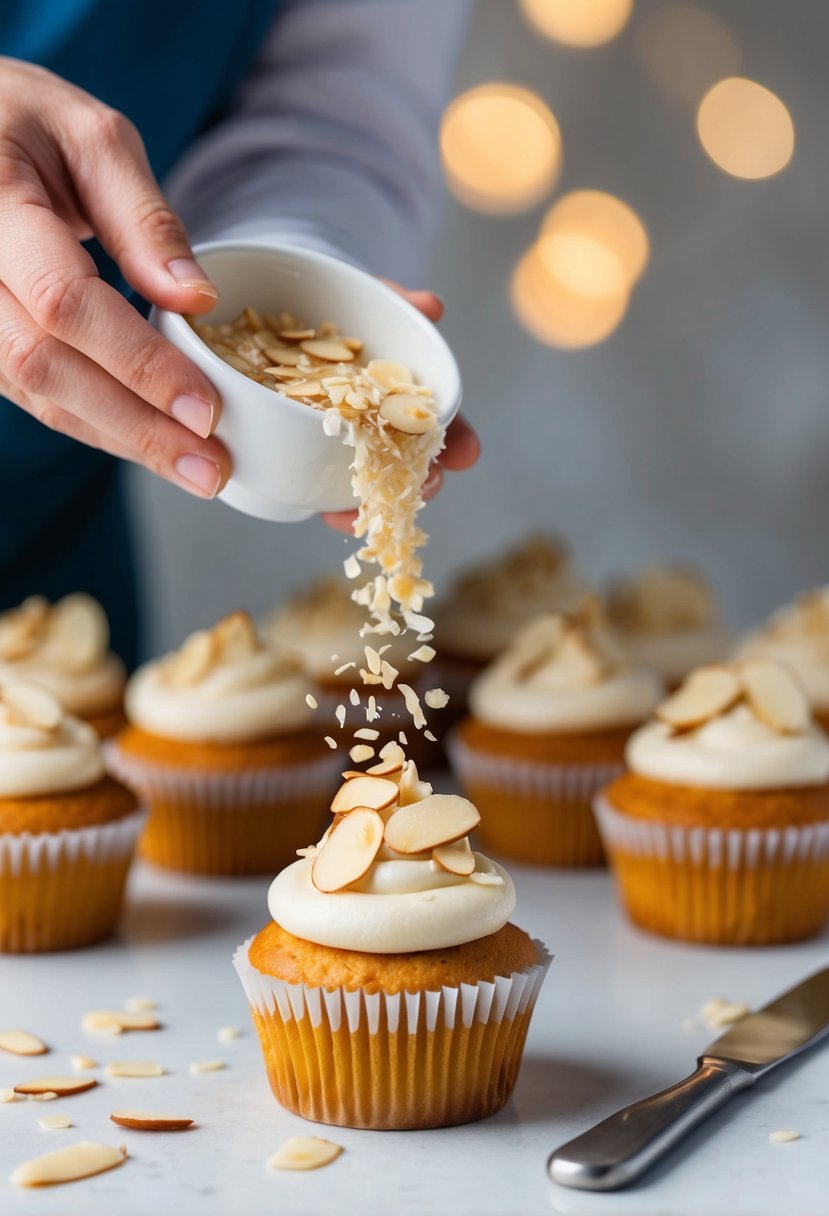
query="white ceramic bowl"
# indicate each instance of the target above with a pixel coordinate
(284, 465)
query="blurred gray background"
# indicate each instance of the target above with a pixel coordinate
(698, 431)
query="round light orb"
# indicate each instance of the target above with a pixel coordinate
(745, 129)
(555, 314)
(599, 220)
(501, 148)
(581, 23)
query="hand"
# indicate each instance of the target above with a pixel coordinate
(73, 352)
(462, 444)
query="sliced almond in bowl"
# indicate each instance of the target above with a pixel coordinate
(348, 852)
(69, 1164)
(304, 1153)
(707, 693)
(21, 1043)
(64, 1087)
(775, 696)
(327, 350)
(455, 858)
(150, 1121)
(408, 413)
(436, 820)
(374, 793)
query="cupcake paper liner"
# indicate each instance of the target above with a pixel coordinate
(60, 890)
(536, 813)
(246, 822)
(411, 1060)
(754, 886)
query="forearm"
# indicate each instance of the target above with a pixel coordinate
(332, 140)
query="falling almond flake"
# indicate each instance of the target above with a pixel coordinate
(367, 732)
(413, 705)
(436, 698)
(343, 667)
(401, 735)
(332, 743)
(423, 654)
(351, 567)
(361, 752)
(354, 697)
(208, 1066)
(304, 1153)
(311, 701)
(340, 715)
(427, 734)
(372, 712)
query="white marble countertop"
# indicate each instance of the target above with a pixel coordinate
(608, 1029)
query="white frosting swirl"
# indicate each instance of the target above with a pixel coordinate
(403, 905)
(239, 699)
(798, 636)
(559, 676)
(34, 761)
(733, 751)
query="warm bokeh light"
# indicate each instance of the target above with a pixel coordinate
(501, 148)
(580, 23)
(745, 129)
(684, 49)
(557, 315)
(601, 222)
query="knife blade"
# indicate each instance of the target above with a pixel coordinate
(622, 1147)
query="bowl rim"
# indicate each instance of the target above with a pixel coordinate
(179, 322)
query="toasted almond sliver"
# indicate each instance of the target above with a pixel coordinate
(373, 792)
(434, 820)
(707, 693)
(140, 1004)
(21, 1043)
(54, 1122)
(62, 1087)
(327, 350)
(228, 1034)
(349, 851)
(68, 1164)
(79, 1063)
(775, 696)
(134, 1068)
(304, 1153)
(455, 858)
(207, 1066)
(150, 1121)
(117, 1020)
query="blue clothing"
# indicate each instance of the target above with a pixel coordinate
(171, 66)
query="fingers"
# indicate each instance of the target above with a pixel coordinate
(463, 447)
(424, 301)
(68, 392)
(131, 217)
(56, 282)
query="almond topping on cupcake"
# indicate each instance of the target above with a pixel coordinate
(349, 850)
(770, 691)
(662, 599)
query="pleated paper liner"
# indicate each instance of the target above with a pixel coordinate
(541, 814)
(247, 822)
(731, 886)
(413, 1060)
(61, 890)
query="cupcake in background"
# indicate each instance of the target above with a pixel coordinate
(65, 648)
(390, 989)
(491, 601)
(549, 722)
(319, 627)
(219, 747)
(798, 636)
(668, 617)
(719, 831)
(67, 831)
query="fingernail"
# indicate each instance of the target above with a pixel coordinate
(202, 473)
(195, 414)
(188, 273)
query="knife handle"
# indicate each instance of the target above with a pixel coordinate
(621, 1147)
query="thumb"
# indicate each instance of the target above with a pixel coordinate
(136, 224)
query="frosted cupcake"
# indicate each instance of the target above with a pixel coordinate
(218, 746)
(490, 602)
(548, 726)
(798, 635)
(67, 831)
(719, 832)
(390, 989)
(65, 647)
(668, 618)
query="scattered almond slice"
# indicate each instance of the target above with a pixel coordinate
(140, 1004)
(80, 1063)
(373, 792)
(134, 1068)
(304, 1153)
(228, 1034)
(116, 1021)
(455, 858)
(69, 1164)
(8, 1095)
(150, 1121)
(775, 696)
(46, 1096)
(61, 1087)
(784, 1137)
(208, 1066)
(349, 852)
(54, 1122)
(707, 693)
(718, 1013)
(435, 820)
(21, 1043)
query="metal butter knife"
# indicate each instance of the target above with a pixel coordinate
(619, 1149)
